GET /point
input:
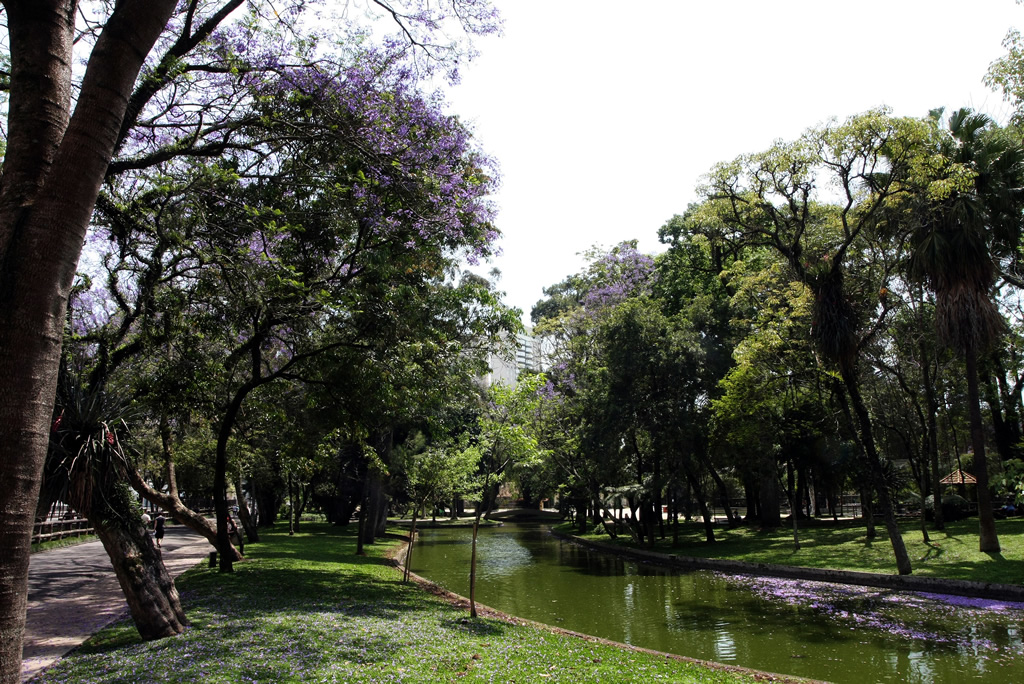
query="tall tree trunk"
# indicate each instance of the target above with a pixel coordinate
(173, 505)
(303, 493)
(362, 520)
(268, 503)
(152, 597)
(472, 565)
(709, 522)
(675, 516)
(988, 540)
(874, 464)
(291, 506)
(987, 386)
(803, 491)
(792, 504)
(373, 502)
(867, 510)
(220, 469)
(472, 557)
(750, 493)
(923, 483)
(53, 166)
(248, 524)
(647, 513)
(768, 500)
(412, 540)
(1011, 410)
(111, 507)
(723, 491)
(377, 499)
(932, 421)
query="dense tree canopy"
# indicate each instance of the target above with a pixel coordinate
(166, 87)
(276, 217)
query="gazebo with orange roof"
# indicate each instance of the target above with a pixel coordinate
(959, 477)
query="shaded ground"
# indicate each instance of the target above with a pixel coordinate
(73, 593)
(306, 608)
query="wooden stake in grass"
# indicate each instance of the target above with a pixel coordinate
(412, 540)
(472, 568)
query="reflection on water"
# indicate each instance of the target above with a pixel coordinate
(843, 634)
(505, 556)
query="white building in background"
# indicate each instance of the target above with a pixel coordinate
(528, 357)
(528, 352)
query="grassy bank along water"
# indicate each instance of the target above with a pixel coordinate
(950, 554)
(305, 608)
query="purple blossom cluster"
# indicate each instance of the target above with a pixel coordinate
(547, 391)
(407, 146)
(933, 618)
(250, 67)
(619, 274)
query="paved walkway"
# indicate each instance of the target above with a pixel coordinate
(73, 593)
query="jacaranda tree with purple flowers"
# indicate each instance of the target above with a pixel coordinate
(373, 194)
(590, 414)
(68, 131)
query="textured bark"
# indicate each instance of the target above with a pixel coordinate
(220, 470)
(179, 511)
(377, 497)
(152, 597)
(988, 540)
(931, 416)
(867, 440)
(768, 495)
(723, 492)
(53, 166)
(373, 503)
(472, 566)
(248, 524)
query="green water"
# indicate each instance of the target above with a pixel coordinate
(837, 633)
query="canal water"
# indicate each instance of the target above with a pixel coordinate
(833, 632)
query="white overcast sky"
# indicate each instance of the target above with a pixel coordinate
(603, 115)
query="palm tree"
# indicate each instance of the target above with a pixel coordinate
(957, 248)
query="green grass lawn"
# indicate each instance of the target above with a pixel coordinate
(952, 553)
(306, 609)
(60, 543)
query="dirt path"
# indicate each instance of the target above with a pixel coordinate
(73, 593)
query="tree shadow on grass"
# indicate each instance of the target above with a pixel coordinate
(475, 627)
(289, 624)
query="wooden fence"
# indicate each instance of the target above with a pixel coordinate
(59, 529)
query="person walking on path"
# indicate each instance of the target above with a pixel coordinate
(158, 531)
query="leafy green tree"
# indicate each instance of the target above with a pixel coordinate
(655, 391)
(61, 135)
(774, 373)
(505, 437)
(436, 475)
(972, 222)
(1007, 74)
(772, 199)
